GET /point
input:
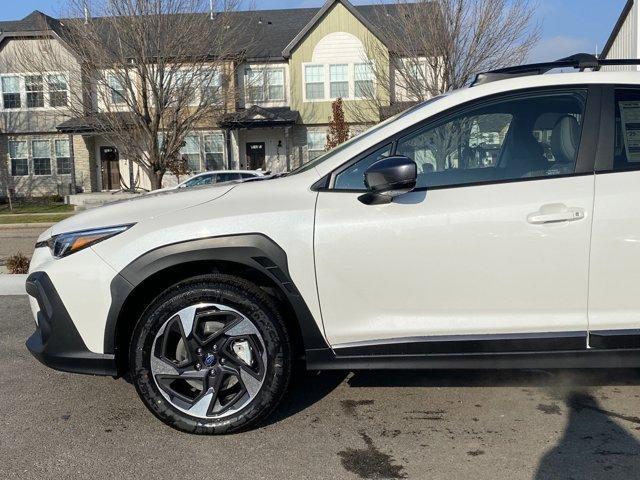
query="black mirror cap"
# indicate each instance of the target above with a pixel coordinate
(388, 178)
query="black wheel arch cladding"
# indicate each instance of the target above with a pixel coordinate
(255, 251)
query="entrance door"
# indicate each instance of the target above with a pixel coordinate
(255, 155)
(110, 167)
(491, 250)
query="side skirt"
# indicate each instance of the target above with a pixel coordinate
(326, 359)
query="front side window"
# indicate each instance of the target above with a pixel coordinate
(11, 92)
(199, 180)
(35, 91)
(353, 176)
(191, 151)
(529, 136)
(19, 158)
(339, 81)
(314, 82)
(58, 95)
(316, 141)
(63, 157)
(213, 151)
(41, 152)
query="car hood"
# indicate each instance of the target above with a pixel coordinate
(134, 210)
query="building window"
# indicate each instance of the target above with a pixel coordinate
(63, 157)
(214, 151)
(316, 141)
(19, 158)
(314, 82)
(58, 95)
(116, 90)
(339, 81)
(363, 80)
(35, 91)
(264, 84)
(275, 84)
(191, 151)
(211, 88)
(41, 152)
(11, 92)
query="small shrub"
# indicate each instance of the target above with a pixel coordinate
(56, 198)
(18, 263)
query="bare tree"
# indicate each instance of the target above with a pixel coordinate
(145, 73)
(434, 46)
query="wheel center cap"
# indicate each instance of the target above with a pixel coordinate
(209, 359)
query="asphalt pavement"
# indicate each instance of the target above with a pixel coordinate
(417, 425)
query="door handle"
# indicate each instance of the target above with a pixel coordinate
(555, 213)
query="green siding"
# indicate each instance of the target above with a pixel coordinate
(337, 19)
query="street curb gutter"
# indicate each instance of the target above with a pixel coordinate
(12, 284)
(17, 226)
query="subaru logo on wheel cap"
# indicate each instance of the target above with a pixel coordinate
(209, 359)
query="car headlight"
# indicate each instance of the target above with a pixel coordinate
(72, 242)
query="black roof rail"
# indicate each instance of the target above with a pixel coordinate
(580, 61)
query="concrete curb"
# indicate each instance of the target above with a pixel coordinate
(18, 226)
(12, 284)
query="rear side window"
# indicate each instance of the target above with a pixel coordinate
(227, 177)
(627, 137)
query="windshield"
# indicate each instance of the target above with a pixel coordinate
(322, 158)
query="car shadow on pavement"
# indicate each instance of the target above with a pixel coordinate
(495, 378)
(305, 390)
(593, 446)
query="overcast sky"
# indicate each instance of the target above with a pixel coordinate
(569, 26)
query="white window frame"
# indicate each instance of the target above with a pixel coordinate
(320, 151)
(23, 91)
(33, 157)
(327, 81)
(18, 158)
(263, 72)
(56, 157)
(202, 151)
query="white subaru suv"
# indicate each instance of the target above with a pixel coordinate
(493, 227)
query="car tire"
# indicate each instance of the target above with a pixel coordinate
(204, 343)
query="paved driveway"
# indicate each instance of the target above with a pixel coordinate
(506, 425)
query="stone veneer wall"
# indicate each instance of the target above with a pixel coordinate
(47, 185)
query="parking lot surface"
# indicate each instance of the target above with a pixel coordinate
(417, 425)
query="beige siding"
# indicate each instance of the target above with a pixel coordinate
(626, 42)
(337, 19)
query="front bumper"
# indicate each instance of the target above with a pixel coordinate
(56, 342)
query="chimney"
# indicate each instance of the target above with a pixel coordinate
(86, 13)
(211, 9)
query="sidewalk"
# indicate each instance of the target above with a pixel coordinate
(12, 284)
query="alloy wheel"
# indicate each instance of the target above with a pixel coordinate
(208, 360)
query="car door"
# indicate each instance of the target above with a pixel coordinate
(489, 252)
(614, 302)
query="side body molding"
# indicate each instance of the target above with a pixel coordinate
(253, 250)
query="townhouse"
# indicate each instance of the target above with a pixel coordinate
(284, 86)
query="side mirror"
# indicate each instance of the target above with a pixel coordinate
(389, 178)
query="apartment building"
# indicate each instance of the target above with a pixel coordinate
(285, 82)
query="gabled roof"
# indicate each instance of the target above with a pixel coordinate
(318, 17)
(616, 29)
(267, 35)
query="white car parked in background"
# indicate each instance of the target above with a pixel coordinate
(216, 176)
(493, 227)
